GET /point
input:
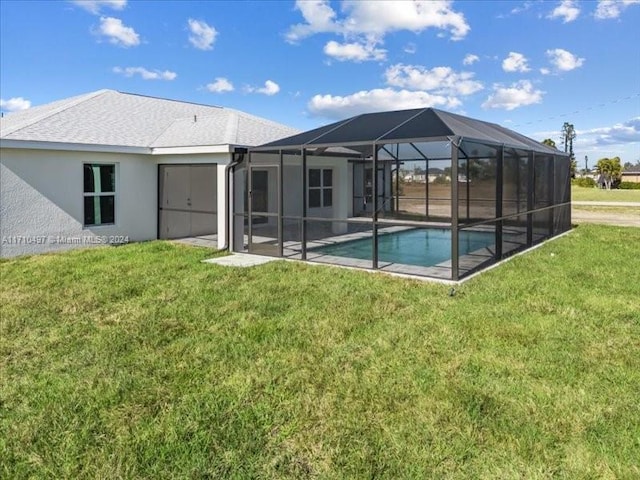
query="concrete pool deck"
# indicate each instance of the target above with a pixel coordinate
(440, 272)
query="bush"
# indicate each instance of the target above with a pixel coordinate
(441, 180)
(584, 182)
(629, 186)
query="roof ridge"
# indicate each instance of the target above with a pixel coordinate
(56, 111)
(459, 116)
(171, 124)
(189, 118)
(199, 115)
(251, 116)
(168, 99)
(404, 123)
(338, 125)
(231, 130)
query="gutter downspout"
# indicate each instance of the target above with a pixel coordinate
(239, 154)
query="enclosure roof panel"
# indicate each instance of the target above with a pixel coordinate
(408, 125)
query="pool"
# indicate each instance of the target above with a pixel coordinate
(423, 247)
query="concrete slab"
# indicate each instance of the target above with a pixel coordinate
(209, 241)
(241, 260)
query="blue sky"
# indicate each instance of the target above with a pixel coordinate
(529, 66)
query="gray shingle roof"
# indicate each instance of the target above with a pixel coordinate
(107, 117)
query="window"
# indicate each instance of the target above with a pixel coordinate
(99, 194)
(320, 187)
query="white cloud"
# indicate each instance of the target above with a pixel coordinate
(354, 51)
(515, 62)
(94, 6)
(270, 88)
(608, 9)
(117, 32)
(606, 141)
(563, 60)
(619, 139)
(470, 59)
(440, 80)
(525, 6)
(381, 17)
(410, 48)
(14, 104)
(365, 101)
(369, 22)
(627, 132)
(545, 71)
(517, 95)
(146, 74)
(220, 85)
(567, 10)
(319, 17)
(202, 35)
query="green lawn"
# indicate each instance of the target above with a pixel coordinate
(632, 211)
(600, 195)
(141, 362)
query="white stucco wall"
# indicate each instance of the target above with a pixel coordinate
(42, 201)
(41, 198)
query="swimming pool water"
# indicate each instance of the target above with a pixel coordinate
(423, 247)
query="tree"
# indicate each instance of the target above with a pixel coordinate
(550, 143)
(573, 167)
(573, 164)
(568, 134)
(610, 170)
(630, 166)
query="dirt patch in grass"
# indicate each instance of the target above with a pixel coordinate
(622, 216)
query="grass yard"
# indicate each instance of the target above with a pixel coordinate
(633, 211)
(141, 362)
(583, 194)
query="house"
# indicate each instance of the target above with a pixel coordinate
(113, 167)
(433, 175)
(631, 174)
(416, 177)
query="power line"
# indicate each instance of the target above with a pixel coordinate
(583, 110)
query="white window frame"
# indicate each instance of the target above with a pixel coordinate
(113, 194)
(321, 188)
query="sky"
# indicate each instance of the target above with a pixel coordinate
(530, 66)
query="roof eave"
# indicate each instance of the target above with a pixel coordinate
(194, 149)
(67, 146)
(272, 147)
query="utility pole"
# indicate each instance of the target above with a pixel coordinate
(568, 134)
(586, 164)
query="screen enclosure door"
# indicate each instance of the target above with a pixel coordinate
(368, 188)
(265, 228)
